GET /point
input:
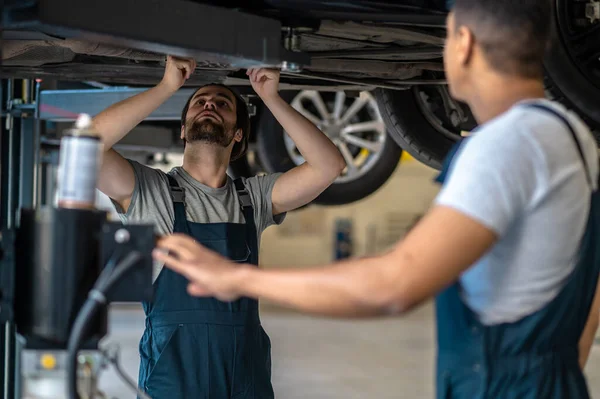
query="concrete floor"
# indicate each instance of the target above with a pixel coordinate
(319, 358)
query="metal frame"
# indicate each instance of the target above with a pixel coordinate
(178, 27)
(20, 147)
(19, 154)
(65, 105)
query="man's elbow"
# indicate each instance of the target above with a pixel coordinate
(336, 166)
(393, 301)
(399, 305)
(340, 163)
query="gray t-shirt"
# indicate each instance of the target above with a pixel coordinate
(521, 176)
(151, 201)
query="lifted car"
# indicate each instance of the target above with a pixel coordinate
(391, 49)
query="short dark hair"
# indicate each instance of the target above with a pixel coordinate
(514, 34)
(242, 119)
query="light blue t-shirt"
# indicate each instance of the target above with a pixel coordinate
(521, 176)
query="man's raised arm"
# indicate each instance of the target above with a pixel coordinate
(116, 178)
(324, 162)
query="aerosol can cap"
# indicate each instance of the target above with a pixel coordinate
(83, 126)
(84, 121)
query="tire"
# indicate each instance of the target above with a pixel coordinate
(275, 155)
(419, 123)
(569, 80)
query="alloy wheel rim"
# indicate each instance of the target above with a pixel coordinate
(354, 125)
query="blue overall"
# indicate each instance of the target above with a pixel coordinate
(533, 358)
(202, 347)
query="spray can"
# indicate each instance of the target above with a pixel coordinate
(80, 159)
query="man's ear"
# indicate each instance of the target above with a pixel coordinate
(182, 136)
(239, 135)
(466, 45)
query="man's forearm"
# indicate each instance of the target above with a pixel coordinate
(315, 147)
(119, 119)
(358, 288)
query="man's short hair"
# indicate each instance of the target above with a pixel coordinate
(242, 119)
(514, 34)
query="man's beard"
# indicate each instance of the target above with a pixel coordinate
(209, 131)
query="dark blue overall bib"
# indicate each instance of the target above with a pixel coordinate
(196, 348)
(533, 358)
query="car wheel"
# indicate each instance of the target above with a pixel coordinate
(353, 124)
(426, 124)
(425, 121)
(573, 59)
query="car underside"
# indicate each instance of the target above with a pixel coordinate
(405, 49)
(392, 50)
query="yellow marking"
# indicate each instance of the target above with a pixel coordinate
(362, 156)
(48, 361)
(406, 157)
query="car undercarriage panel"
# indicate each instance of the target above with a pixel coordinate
(67, 40)
(114, 27)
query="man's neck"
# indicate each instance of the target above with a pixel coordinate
(495, 94)
(206, 164)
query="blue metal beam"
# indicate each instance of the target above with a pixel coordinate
(65, 105)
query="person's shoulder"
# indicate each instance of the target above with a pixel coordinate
(500, 133)
(548, 118)
(256, 181)
(550, 128)
(520, 127)
(501, 142)
(260, 187)
(553, 134)
(148, 177)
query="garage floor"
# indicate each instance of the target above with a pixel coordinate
(317, 358)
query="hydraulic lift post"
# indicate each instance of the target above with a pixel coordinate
(18, 154)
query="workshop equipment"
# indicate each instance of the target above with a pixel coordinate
(60, 262)
(58, 253)
(343, 239)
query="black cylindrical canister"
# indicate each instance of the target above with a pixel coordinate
(58, 260)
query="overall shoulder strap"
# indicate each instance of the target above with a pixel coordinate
(570, 128)
(177, 193)
(178, 198)
(447, 163)
(243, 194)
(248, 209)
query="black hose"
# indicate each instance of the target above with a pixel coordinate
(96, 299)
